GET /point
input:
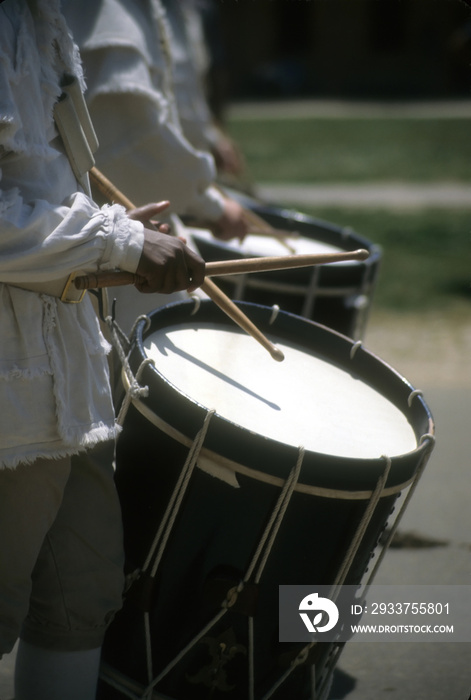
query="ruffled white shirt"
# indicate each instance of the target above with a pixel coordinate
(55, 398)
(190, 65)
(125, 48)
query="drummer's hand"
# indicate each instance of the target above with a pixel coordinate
(168, 265)
(148, 213)
(232, 223)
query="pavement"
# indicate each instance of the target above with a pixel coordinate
(439, 552)
(393, 195)
(349, 109)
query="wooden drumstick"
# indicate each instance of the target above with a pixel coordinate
(109, 190)
(233, 311)
(212, 290)
(116, 278)
(280, 262)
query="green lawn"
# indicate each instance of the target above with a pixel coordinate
(426, 253)
(426, 262)
(355, 150)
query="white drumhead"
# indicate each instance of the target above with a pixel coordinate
(261, 246)
(304, 400)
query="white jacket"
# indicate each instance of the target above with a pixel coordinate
(125, 48)
(54, 390)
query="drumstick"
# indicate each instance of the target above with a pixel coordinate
(116, 278)
(280, 262)
(212, 290)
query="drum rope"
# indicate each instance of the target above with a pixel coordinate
(300, 659)
(134, 390)
(361, 529)
(311, 290)
(275, 310)
(161, 538)
(116, 680)
(303, 654)
(152, 682)
(263, 552)
(354, 349)
(148, 691)
(345, 566)
(260, 557)
(171, 512)
(121, 344)
(412, 395)
(275, 521)
(148, 641)
(427, 437)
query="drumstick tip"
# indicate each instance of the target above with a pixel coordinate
(362, 254)
(277, 354)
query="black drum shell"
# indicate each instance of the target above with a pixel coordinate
(344, 293)
(218, 527)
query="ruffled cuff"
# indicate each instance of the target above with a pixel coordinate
(208, 206)
(124, 242)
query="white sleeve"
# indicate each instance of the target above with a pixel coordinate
(41, 242)
(142, 150)
(47, 228)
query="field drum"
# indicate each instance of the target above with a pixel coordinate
(338, 295)
(238, 474)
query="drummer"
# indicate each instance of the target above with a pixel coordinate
(61, 558)
(127, 52)
(191, 67)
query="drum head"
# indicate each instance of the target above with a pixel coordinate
(342, 404)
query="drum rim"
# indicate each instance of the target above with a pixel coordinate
(333, 463)
(344, 235)
(223, 463)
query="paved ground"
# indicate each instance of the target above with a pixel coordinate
(393, 195)
(433, 354)
(348, 109)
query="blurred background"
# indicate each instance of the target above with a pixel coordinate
(358, 112)
(355, 48)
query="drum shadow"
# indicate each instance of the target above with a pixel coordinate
(164, 345)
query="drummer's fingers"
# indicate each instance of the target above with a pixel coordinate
(148, 211)
(184, 276)
(172, 278)
(196, 270)
(163, 228)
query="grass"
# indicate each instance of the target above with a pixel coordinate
(355, 150)
(426, 262)
(426, 253)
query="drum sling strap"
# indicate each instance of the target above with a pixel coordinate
(80, 143)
